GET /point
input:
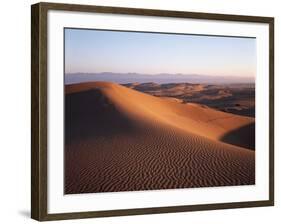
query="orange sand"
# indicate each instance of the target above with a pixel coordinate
(119, 139)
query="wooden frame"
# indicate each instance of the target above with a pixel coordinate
(39, 110)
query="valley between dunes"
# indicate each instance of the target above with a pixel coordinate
(120, 139)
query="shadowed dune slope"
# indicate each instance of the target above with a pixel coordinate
(119, 139)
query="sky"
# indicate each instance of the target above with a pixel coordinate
(95, 51)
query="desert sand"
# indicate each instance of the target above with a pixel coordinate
(120, 139)
(233, 98)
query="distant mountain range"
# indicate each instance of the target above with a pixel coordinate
(123, 78)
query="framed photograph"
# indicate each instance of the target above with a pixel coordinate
(141, 111)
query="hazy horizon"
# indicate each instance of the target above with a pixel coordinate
(99, 51)
(123, 78)
(155, 74)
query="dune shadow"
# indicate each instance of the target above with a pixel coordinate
(242, 137)
(90, 114)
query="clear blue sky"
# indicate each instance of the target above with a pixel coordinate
(93, 51)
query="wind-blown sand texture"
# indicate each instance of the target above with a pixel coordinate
(120, 139)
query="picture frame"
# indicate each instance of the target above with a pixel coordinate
(41, 100)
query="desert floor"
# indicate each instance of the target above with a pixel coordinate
(121, 139)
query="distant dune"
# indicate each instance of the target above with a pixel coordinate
(120, 139)
(234, 98)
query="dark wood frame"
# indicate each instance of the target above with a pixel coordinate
(39, 110)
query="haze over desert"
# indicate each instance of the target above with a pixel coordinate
(153, 110)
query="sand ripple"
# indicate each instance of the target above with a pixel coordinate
(152, 154)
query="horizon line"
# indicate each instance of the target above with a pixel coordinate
(161, 73)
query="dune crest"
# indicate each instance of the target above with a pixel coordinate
(190, 117)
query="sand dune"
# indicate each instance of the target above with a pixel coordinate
(119, 139)
(233, 98)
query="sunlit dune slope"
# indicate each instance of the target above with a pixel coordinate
(190, 117)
